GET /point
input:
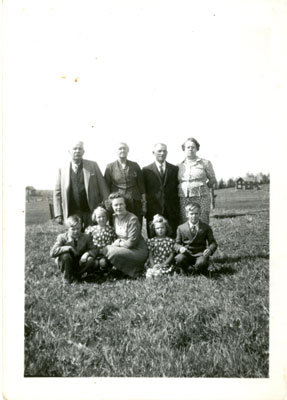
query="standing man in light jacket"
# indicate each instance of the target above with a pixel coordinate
(80, 187)
(161, 184)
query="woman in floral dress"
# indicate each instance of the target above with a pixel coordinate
(196, 176)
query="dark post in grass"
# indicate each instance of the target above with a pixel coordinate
(212, 198)
(51, 208)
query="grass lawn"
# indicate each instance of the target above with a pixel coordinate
(231, 199)
(37, 212)
(213, 325)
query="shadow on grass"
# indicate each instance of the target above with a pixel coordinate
(216, 269)
(111, 277)
(234, 215)
(217, 273)
(230, 215)
(229, 259)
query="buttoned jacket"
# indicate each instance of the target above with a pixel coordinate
(195, 242)
(162, 195)
(132, 184)
(84, 244)
(95, 186)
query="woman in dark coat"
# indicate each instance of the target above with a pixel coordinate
(125, 176)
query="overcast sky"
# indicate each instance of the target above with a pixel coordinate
(142, 72)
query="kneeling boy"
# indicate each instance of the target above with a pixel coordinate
(74, 251)
(194, 242)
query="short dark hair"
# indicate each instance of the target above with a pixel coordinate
(73, 220)
(191, 139)
(117, 195)
(113, 196)
(193, 205)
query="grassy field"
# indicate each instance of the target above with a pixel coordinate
(37, 212)
(213, 325)
(230, 199)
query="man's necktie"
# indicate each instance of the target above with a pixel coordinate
(161, 172)
(76, 168)
(193, 230)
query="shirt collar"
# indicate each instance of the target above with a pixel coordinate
(163, 165)
(121, 165)
(78, 166)
(186, 161)
(71, 239)
(193, 225)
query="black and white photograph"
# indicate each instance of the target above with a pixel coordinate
(144, 213)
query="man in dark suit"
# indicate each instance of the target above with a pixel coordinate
(80, 187)
(194, 242)
(161, 185)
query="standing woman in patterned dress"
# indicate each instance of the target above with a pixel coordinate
(196, 176)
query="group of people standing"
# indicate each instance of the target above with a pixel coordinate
(110, 208)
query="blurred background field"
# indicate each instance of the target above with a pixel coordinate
(38, 212)
(231, 199)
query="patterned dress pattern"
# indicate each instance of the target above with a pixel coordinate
(160, 248)
(193, 177)
(101, 236)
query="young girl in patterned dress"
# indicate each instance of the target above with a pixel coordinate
(161, 248)
(103, 235)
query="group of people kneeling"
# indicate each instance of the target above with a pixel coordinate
(117, 244)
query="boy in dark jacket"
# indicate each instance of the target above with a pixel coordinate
(74, 251)
(194, 242)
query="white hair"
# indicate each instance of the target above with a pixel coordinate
(159, 144)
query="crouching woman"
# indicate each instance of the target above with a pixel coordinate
(128, 252)
(74, 251)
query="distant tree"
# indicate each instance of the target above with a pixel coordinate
(265, 178)
(230, 183)
(30, 191)
(259, 177)
(250, 177)
(262, 178)
(221, 184)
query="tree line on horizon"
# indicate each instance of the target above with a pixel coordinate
(259, 178)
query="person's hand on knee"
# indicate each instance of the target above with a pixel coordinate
(206, 253)
(72, 250)
(103, 263)
(84, 258)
